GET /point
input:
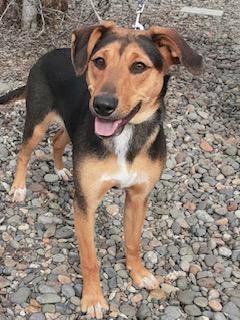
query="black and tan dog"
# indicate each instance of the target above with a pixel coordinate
(107, 93)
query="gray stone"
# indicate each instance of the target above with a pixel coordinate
(68, 291)
(210, 260)
(182, 283)
(231, 150)
(176, 228)
(127, 310)
(59, 257)
(37, 316)
(3, 152)
(225, 251)
(43, 288)
(201, 302)
(186, 296)
(64, 233)
(48, 298)
(21, 295)
(172, 313)
(51, 178)
(227, 170)
(192, 310)
(4, 88)
(151, 257)
(143, 312)
(204, 216)
(231, 311)
(219, 316)
(48, 308)
(45, 219)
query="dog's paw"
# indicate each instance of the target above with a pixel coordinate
(149, 282)
(18, 194)
(63, 174)
(144, 279)
(94, 305)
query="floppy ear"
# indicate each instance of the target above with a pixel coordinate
(83, 43)
(175, 50)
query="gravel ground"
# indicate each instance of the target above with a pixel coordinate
(191, 236)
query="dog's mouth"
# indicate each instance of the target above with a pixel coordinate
(109, 128)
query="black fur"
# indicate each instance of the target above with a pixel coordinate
(151, 50)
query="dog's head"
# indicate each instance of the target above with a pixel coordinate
(125, 71)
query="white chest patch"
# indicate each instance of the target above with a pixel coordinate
(125, 177)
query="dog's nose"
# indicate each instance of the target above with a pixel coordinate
(105, 105)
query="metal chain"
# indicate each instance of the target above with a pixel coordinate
(139, 11)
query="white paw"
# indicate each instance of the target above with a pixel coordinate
(63, 174)
(19, 194)
(96, 311)
(149, 282)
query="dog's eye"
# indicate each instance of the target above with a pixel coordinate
(138, 67)
(99, 63)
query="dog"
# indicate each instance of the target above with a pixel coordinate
(107, 92)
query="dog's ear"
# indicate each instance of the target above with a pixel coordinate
(175, 50)
(83, 43)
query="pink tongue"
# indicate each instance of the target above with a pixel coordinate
(106, 128)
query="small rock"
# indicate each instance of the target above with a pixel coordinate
(68, 291)
(231, 311)
(222, 222)
(127, 310)
(3, 152)
(4, 282)
(137, 298)
(48, 308)
(219, 316)
(168, 288)
(210, 260)
(112, 209)
(43, 288)
(37, 316)
(186, 297)
(142, 312)
(192, 310)
(215, 305)
(21, 295)
(64, 279)
(51, 178)
(64, 233)
(206, 282)
(224, 251)
(158, 294)
(213, 294)
(205, 146)
(48, 298)
(204, 216)
(172, 313)
(201, 302)
(194, 269)
(151, 257)
(227, 170)
(58, 258)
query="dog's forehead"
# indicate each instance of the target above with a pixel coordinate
(125, 37)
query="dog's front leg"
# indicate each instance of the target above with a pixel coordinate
(135, 211)
(93, 302)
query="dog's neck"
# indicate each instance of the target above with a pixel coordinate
(134, 137)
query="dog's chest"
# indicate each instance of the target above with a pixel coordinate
(126, 174)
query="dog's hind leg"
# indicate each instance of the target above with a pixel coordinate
(60, 140)
(33, 134)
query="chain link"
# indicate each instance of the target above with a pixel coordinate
(139, 11)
